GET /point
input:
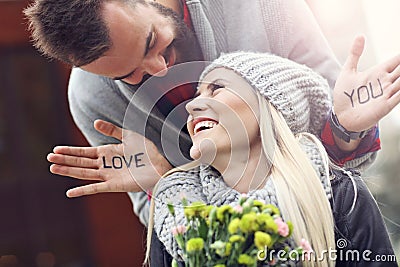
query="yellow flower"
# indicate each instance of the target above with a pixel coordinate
(246, 260)
(271, 226)
(195, 209)
(228, 248)
(221, 211)
(220, 265)
(206, 211)
(194, 244)
(263, 218)
(248, 223)
(262, 240)
(236, 238)
(233, 226)
(258, 204)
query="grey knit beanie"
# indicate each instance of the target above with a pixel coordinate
(300, 94)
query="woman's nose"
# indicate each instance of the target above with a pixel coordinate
(197, 104)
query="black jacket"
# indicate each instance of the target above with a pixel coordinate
(360, 232)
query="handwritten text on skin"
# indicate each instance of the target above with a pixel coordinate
(117, 162)
(365, 94)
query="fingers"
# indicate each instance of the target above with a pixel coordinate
(392, 63)
(88, 152)
(72, 161)
(394, 92)
(76, 172)
(108, 129)
(89, 189)
(395, 73)
(356, 51)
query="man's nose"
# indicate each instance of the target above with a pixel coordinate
(155, 66)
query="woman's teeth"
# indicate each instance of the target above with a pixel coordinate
(204, 125)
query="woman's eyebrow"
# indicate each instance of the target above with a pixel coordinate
(218, 81)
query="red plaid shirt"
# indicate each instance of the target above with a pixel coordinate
(370, 143)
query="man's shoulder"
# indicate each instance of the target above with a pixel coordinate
(85, 84)
(94, 97)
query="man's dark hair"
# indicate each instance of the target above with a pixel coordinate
(72, 31)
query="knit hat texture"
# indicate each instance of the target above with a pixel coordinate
(300, 94)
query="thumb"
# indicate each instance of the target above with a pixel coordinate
(356, 51)
(108, 129)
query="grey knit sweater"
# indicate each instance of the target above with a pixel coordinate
(205, 184)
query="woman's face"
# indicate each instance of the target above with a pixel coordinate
(223, 118)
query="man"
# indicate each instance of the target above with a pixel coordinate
(115, 45)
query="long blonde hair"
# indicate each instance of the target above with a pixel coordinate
(300, 194)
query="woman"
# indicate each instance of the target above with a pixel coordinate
(242, 124)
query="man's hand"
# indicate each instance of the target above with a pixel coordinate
(132, 166)
(361, 99)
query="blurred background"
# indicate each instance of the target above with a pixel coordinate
(40, 227)
(379, 22)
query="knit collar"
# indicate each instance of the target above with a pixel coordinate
(218, 193)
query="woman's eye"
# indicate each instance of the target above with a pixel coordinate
(214, 86)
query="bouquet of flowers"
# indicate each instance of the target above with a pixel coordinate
(249, 234)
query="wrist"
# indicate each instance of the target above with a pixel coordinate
(341, 132)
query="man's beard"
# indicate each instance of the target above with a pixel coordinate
(185, 42)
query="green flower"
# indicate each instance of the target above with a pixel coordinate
(233, 226)
(262, 240)
(221, 211)
(171, 209)
(248, 223)
(236, 238)
(221, 248)
(246, 260)
(290, 225)
(194, 244)
(212, 215)
(273, 210)
(174, 263)
(194, 210)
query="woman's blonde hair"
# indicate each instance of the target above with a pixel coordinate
(300, 194)
(306, 206)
